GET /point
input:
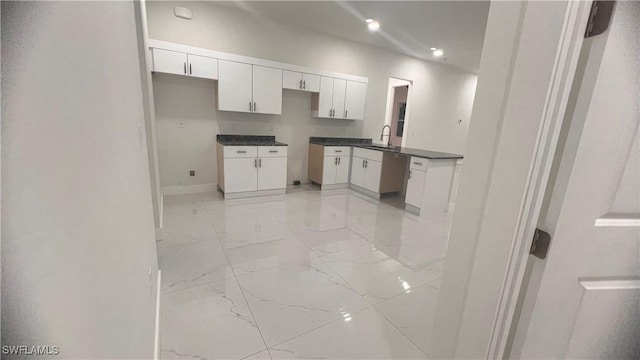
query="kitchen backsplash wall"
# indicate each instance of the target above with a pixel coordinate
(190, 102)
(440, 101)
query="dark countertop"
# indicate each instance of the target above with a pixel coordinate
(331, 141)
(368, 144)
(427, 154)
(248, 140)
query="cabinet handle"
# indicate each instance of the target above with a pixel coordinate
(409, 174)
(254, 106)
(259, 163)
(185, 68)
(190, 69)
(345, 113)
(250, 107)
(273, 151)
(366, 163)
(362, 163)
(300, 85)
(335, 161)
(255, 163)
(417, 163)
(241, 151)
(339, 161)
(304, 84)
(338, 151)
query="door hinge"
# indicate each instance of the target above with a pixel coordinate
(599, 17)
(540, 244)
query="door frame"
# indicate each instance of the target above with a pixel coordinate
(488, 252)
(394, 83)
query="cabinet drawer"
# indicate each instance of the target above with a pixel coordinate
(337, 150)
(272, 151)
(418, 163)
(368, 154)
(240, 152)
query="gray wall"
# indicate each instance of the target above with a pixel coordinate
(441, 94)
(77, 221)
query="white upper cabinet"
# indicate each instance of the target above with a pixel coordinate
(267, 90)
(202, 66)
(174, 62)
(300, 81)
(340, 99)
(235, 86)
(354, 100)
(339, 90)
(171, 62)
(249, 88)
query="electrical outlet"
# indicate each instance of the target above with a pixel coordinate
(192, 173)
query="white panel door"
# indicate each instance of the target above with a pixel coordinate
(373, 170)
(240, 175)
(171, 62)
(267, 90)
(329, 170)
(586, 300)
(234, 86)
(357, 171)
(291, 80)
(325, 99)
(311, 82)
(339, 93)
(415, 188)
(272, 173)
(203, 67)
(342, 171)
(355, 100)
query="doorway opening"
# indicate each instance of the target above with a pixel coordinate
(397, 114)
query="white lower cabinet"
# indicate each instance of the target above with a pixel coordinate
(240, 175)
(415, 187)
(366, 169)
(272, 173)
(335, 170)
(254, 170)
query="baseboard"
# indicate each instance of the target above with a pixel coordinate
(364, 191)
(156, 341)
(188, 189)
(412, 209)
(159, 234)
(249, 194)
(333, 187)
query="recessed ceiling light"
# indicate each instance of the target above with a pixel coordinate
(374, 26)
(438, 52)
(369, 21)
(432, 49)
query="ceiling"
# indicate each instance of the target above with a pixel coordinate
(407, 27)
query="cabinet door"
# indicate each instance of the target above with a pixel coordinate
(311, 82)
(240, 175)
(234, 86)
(272, 173)
(202, 66)
(171, 62)
(339, 91)
(291, 80)
(357, 171)
(355, 100)
(342, 171)
(329, 167)
(415, 187)
(373, 170)
(267, 90)
(325, 98)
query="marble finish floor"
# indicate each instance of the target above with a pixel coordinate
(311, 275)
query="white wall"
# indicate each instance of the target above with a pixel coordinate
(77, 221)
(441, 95)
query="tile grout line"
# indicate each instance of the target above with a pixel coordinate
(224, 251)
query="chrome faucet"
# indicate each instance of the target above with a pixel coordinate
(389, 135)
